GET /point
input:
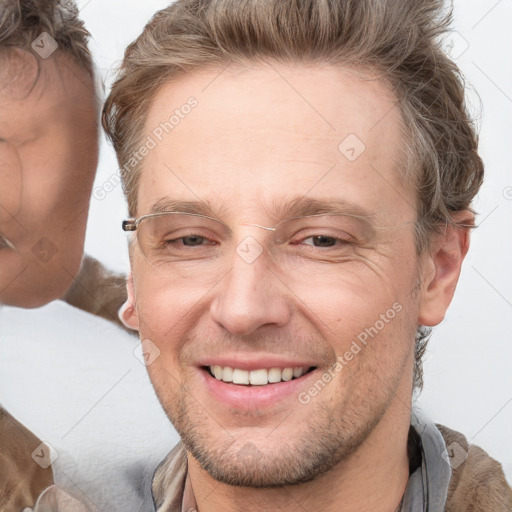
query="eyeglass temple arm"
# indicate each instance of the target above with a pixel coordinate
(131, 225)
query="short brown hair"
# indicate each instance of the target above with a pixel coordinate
(22, 21)
(398, 40)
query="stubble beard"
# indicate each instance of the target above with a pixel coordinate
(323, 442)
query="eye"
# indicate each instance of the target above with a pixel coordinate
(325, 241)
(193, 240)
(186, 241)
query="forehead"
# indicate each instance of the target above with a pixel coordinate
(258, 135)
(36, 95)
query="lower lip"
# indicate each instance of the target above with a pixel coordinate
(252, 397)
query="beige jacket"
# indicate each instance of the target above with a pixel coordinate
(22, 478)
(478, 484)
(26, 476)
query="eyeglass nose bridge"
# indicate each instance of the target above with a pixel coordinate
(259, 226)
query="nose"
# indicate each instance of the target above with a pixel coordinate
(251, 295)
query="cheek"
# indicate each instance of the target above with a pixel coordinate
(166, 314)
(11, 183)
(366, 317)
(57, 177)
(373, 348)
(349, 300)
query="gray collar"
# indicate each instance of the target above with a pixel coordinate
(427, 488)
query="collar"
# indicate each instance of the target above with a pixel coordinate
(189, 503)
(427, 488)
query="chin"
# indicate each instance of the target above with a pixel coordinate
(27, 298)
(249, 458)
(33, 288)
(254, 465)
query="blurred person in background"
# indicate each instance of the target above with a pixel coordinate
(49, 137)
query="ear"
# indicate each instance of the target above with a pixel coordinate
(441, 268)
(128, 312)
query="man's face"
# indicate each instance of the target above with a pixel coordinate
(260, 141)
(48, 159)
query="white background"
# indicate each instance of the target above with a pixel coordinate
(61, 369)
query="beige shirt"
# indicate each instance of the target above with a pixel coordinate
(55, 499)
(189, 501)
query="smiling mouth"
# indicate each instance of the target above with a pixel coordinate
(5, 243)
(259, 377)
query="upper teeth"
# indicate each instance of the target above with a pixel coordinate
(256, 377)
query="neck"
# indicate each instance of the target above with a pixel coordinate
(374, 477)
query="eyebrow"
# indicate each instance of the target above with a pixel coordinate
(299, 206)
(195, 207)
(303, 206)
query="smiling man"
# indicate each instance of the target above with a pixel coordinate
(300, 177)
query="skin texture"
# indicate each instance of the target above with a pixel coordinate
(48, 158)
(262, 136)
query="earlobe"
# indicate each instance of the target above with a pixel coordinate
(442, 269)
(128, 311)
